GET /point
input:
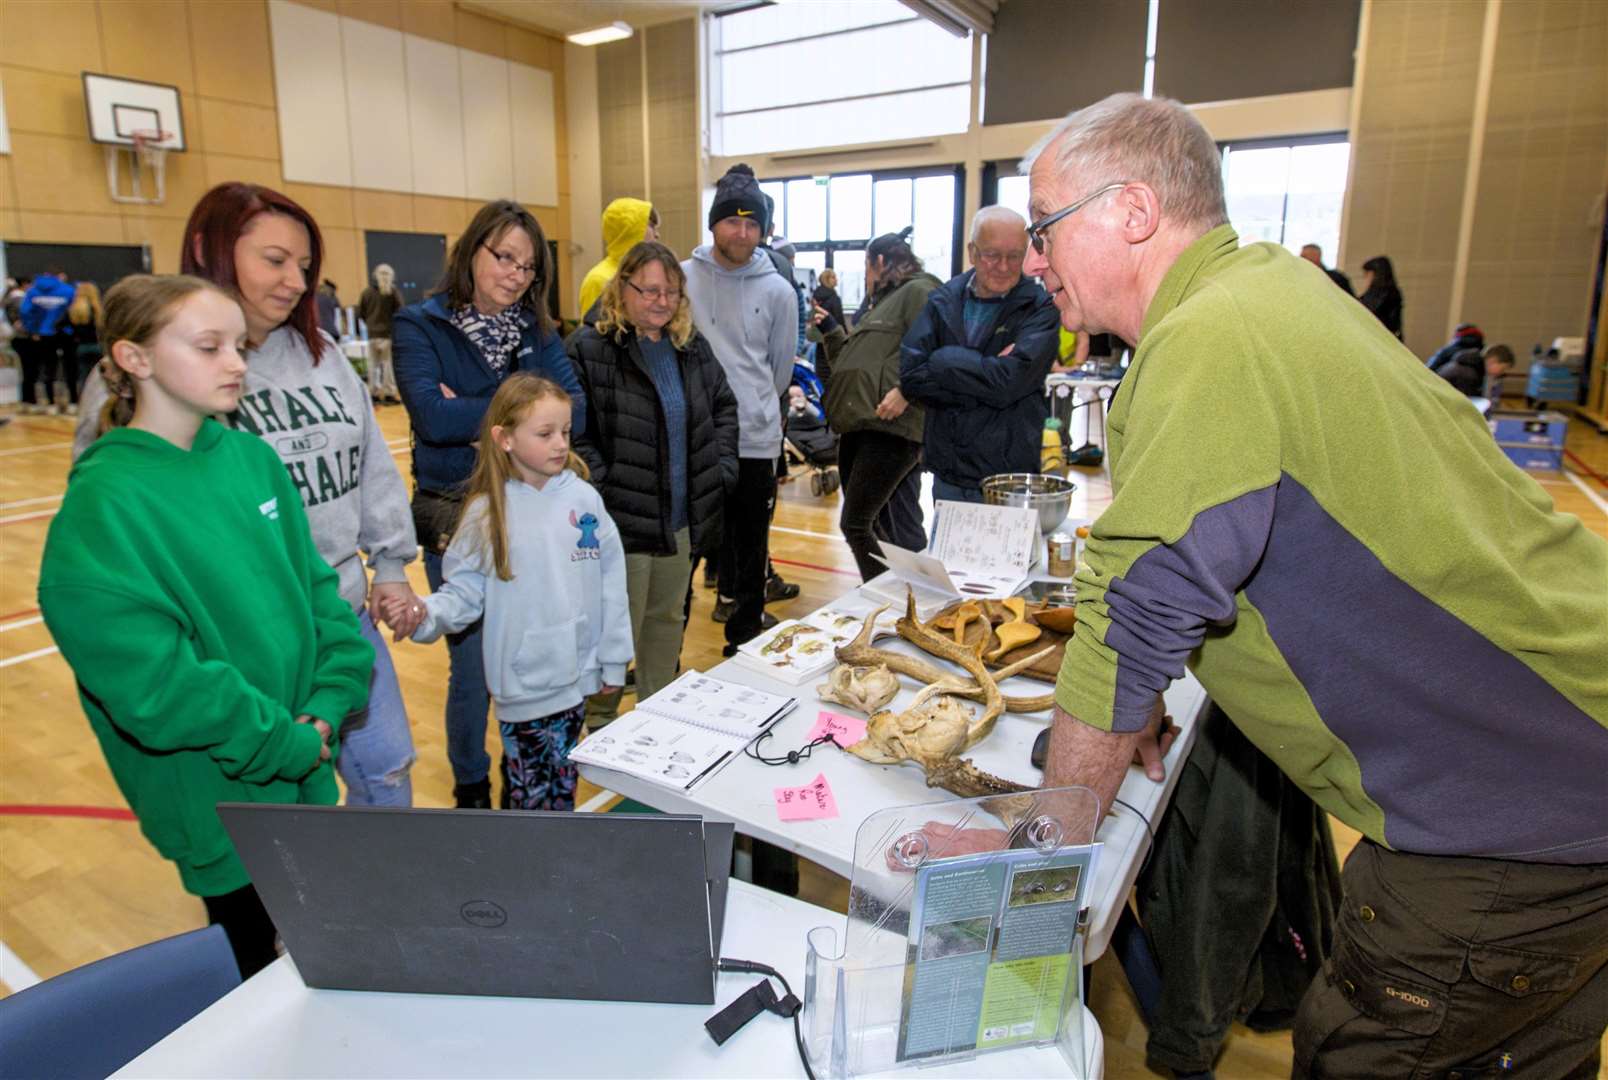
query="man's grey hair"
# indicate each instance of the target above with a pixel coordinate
(1127, 137)
(1002, 214)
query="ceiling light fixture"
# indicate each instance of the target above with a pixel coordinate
(614, 31)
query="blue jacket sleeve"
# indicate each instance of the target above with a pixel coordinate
(420, 371)
(954, 374)
(916, 378)
(554, 363)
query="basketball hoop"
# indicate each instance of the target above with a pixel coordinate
(148, 152)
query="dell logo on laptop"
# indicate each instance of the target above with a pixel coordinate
(483, 913)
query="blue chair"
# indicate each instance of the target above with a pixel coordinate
(93, 1020)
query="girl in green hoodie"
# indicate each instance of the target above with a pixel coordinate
(214, 655)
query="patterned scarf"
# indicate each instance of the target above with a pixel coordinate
(496, 336)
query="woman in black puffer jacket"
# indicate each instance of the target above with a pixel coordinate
(661, 441)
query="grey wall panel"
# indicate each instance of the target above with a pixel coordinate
(1223, 50)
(1048, 57)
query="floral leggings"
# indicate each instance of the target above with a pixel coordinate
(534, 753)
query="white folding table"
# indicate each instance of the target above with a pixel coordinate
(742, 792)
(273, 1025)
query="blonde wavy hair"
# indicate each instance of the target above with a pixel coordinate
(612, 320)
(494, 468)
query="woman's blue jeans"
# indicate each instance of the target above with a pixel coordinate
(468, 700)
(376, 742)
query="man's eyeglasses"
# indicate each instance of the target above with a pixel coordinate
(508, 264)
(995, 258)
(1035, 231)
(656, 296)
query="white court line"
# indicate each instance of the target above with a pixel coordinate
(32, 449)
(806, 532)
(1601, 503)
(13, 972)
(25, 657)
(20, 623)
(590, 806)
(27, 517)
(31, 502)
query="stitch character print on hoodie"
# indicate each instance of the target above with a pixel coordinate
(587, 546)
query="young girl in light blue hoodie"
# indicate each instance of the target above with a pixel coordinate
(538, 556)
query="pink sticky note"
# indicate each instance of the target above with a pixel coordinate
(845, 730)
(812, 802)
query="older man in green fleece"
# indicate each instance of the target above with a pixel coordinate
(1325, 533)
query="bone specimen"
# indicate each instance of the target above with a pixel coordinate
(860, 653)
(964, 615)
(863, 687)
(1015, 633)
(1060, 619)
(937, 728)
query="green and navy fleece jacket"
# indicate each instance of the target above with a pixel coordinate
(185, 590)
(1327, 535)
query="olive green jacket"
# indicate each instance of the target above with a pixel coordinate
(865, 364)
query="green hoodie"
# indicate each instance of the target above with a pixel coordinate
(184, 590)
(625, 225)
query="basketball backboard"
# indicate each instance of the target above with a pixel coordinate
(118, 109)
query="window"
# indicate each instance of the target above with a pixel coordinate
(1287, 193)
(831, 72)
(830, 219)
(1013, 195)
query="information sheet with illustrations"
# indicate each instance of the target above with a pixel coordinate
(988, 960)
(685, 732)
(976, 551)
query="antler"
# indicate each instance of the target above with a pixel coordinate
(860, 653)
(911, 630)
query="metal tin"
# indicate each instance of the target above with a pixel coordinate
(1063, 554)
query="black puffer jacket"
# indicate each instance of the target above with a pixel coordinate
(625, 442)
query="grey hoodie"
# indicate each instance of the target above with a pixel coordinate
(750, 316)
(320, 422)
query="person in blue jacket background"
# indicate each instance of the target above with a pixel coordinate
(450, 352)
(977, 357)
(45, 334)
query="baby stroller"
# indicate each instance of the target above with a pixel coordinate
(808, 441)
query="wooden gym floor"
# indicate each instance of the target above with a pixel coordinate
(78, 882)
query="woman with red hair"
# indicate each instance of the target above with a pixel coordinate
(303, 398)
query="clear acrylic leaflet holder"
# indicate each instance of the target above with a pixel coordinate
(863, 1001)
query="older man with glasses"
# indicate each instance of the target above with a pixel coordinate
(1326, 534)
(977, 357)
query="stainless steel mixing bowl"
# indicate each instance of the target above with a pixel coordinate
(1050, 495)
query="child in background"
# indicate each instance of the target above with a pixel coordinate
(214, 655)
(539, 557)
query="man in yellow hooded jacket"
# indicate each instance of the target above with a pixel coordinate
(626, 223)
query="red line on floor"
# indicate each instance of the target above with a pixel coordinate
(108, 813)
(29, 613)
(812, 566)
(1587, 469)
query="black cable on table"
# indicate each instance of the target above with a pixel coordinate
(765, 969)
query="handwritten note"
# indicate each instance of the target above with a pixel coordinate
(812, 802)
(845, 730)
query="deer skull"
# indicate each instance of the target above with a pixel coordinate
(861, 687)
(938, 727)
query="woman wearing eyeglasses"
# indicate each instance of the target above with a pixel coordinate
(486, 320)
(661, 441)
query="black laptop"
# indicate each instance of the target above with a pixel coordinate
(618, 907)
